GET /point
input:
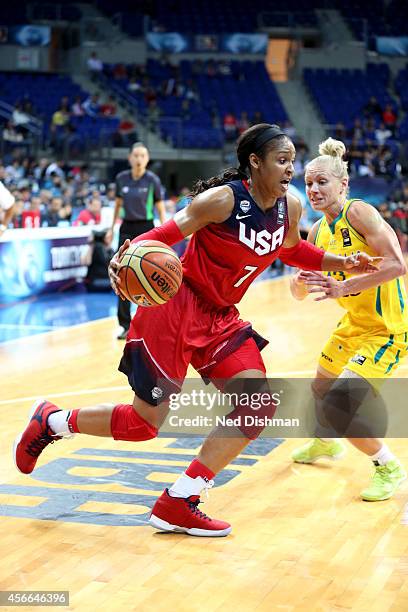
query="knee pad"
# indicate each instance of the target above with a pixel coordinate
(128, 425)
(255, 404)
(354, 410)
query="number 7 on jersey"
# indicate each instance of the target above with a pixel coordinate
(251, 270)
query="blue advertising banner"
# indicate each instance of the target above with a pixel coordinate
(169, 42)
(26, 35)
(37, 261)
(174, 42)
(244, 43)
(392, 45)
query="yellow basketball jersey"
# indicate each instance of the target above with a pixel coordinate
(383, 307)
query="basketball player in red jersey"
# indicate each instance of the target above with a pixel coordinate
(241, 222)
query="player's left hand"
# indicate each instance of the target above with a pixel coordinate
(317, 282)
(361, 262)
(114, 267)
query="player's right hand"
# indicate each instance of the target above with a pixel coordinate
(113, 269)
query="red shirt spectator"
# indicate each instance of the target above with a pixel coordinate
(120, 72)
(389, 117)
(91, 215)
(230, 125)
(30, 219)
(108, 109)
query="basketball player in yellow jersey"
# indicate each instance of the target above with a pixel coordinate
(371, 338)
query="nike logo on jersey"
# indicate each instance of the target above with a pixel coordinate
(241, 216)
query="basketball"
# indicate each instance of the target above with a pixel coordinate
(150, 273)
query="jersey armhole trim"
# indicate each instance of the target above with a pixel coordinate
(353, 229)
(317, 230)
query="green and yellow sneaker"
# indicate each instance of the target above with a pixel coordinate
(386, 480)
(318, 449)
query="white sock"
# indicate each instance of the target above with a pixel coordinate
(383, 456)
(58, 421)
(186, 486)
(328, 439)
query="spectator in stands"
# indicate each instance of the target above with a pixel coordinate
(110, 195)
(230, 126)
(257, 118)
(39, 170)
(108, 108)
(60, 117)
(54, 184)
(191, 91)
(150, 94)
(92, 213)
(389, 118)
(13, 172)
(382, 134)
(400, 194)
(134, 85)
(91, 105)
(32, 217)
(384, 164)
(45, 197)
(18, 208)
(56, 213)
(372, 108)
(224, 68)
(243, 122)
(340, 132)
(366, 167)
(95, 65)
(355, 155)
(126, 133)
(357, 131)
(77, 110)
(11, 135)
(56, 167)
(119, 72)
(20, 119)
(52, 213)
(369, 132)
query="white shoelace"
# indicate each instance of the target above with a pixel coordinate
(208, 485)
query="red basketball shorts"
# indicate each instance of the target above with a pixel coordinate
(163, 341)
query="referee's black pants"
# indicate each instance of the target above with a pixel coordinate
(129, 230)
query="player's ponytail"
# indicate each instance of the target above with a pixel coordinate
(331, 155)
(260, 139)
(229, 174)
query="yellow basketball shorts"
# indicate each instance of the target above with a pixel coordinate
(368, 355)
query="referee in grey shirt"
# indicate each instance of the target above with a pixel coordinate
(138, 191)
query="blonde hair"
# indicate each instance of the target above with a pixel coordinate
(331, 155)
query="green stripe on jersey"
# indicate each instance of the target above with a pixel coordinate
(150, 204)
(382, 350)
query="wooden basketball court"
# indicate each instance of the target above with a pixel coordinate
(301, 539)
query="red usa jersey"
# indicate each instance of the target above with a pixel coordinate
(222, 259)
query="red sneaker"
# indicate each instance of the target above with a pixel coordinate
(181, 514)
(29, 445)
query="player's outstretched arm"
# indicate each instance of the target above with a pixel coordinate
(211, 206)
(307, 256)
(381, 238)
(298, 287)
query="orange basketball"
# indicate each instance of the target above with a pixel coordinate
(150, 273)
